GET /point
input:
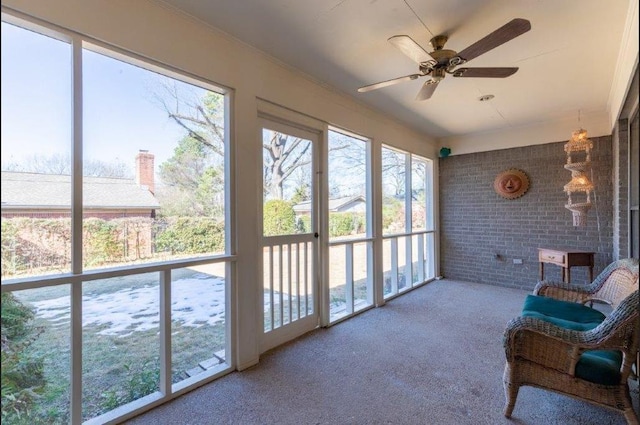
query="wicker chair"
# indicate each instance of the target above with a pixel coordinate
(544, 355)
(616, 281)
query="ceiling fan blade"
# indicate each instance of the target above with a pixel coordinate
(484, 72)
(500, 36)
(389, 82)
(410, 48)
(427, 90)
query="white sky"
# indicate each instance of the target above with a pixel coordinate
(120, 115)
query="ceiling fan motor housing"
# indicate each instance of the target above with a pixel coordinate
(437, 42)
(444, 60)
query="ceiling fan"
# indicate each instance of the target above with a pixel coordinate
(441, 62)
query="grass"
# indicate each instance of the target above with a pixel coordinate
(116, 369)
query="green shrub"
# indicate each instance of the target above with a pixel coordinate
(303, 224)
(279, 218)
(22, 374)
(340, 224)
(190, 235)
(345, 223)
(101, 242)
(30, 243)
(10, 261)
(142, 380)
(392, 215)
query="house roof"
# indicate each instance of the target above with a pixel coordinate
(42, 191)
(334, 204)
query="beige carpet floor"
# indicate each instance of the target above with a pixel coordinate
(431, 356)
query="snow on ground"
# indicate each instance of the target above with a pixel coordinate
(195, 301)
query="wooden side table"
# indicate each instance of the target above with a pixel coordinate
(566, 259)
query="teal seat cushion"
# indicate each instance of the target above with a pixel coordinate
(600, 367)
(569, 315)
(597, 366)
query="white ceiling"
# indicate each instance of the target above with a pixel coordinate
(567, 61)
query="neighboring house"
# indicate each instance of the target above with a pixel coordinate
(49, 196)
(346, 204)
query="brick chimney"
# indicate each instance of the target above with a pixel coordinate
(145, 171)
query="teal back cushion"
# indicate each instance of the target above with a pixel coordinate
(598, 366)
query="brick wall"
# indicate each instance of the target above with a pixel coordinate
(481, 232)
(86, 214)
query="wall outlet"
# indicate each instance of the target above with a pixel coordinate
(517, 261)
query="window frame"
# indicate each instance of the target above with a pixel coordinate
(426, 274)
(77, 275)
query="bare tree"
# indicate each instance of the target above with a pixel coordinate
(348, 165)
(202, 117)
(285, 155)
(60, 164)
(393, 170)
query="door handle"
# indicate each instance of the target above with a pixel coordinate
(315, 235)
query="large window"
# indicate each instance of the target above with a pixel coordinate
(350, 229)
(407, 221)
(115, 243)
